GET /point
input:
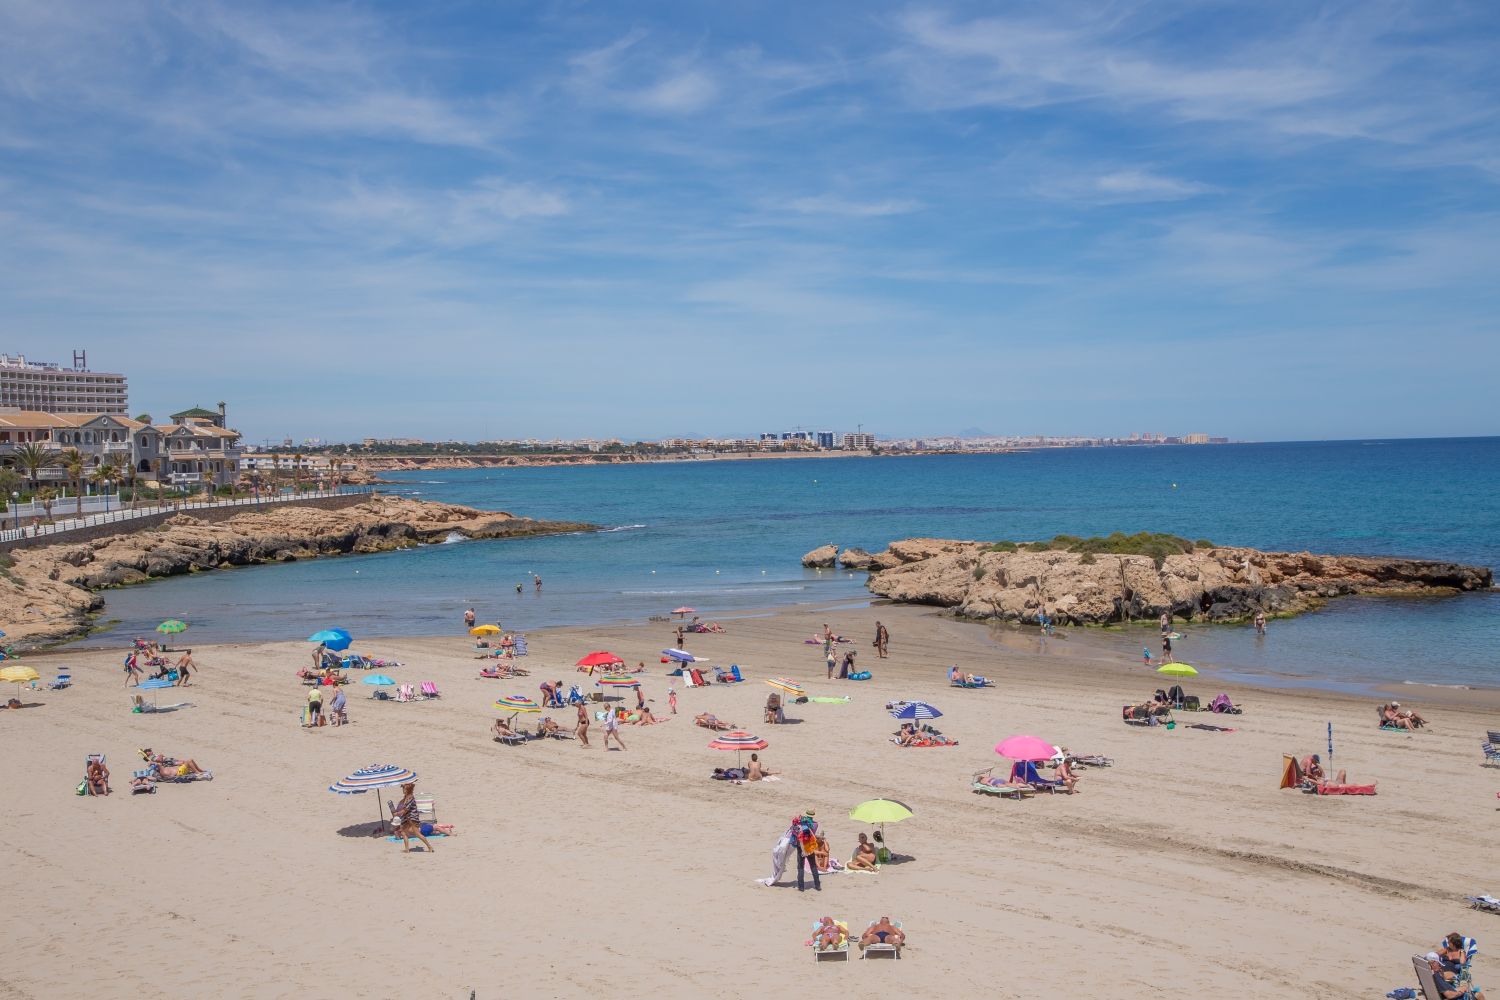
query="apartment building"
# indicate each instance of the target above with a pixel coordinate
(191, 453)
(46, 387)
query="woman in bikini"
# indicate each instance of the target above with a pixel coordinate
(583, 725)
(864, 855)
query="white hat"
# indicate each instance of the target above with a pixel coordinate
(1432, 956)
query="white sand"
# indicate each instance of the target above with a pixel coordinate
(583, 873)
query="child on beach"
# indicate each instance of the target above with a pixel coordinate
(1146, 656)
(672, 699)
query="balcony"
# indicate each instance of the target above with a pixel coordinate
(184, 478)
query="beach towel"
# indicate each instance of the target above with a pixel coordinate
(1327, 789)
(831, 701)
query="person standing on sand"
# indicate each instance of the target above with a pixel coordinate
(847, 667)
(830, 659)
(1166, 623)
(612, 727)
(582, 732)
(680, 639)
(882, 640)
(469, 618)
(408, 818)
(672, 699)
(132, 668)
(805, 835)
(1146, 656)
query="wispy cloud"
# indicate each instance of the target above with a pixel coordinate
(831, 205)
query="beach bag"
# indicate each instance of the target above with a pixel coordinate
(83, 787)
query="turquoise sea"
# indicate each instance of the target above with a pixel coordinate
(726, 537)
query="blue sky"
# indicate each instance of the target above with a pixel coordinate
(1269, 220)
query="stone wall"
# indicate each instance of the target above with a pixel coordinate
(211, 515)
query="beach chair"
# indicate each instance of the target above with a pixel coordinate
(1491, 754)
(688, 680)
(698, 680)
(1426, 979)
(426, 809)
(1489, 904)
(429, 690)
(835, 954)
(143, 782)
(91, 758)
(888, 949)
(405, 693)
(62, 680)
(980, 786)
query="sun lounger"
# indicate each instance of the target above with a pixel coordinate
(889, 948)
(980, 784)
(1426, 979)
(1025, 772)
(405, 693)
(512, 740)
(841, 952)
(143, 782)
(429, 690)
(698, 680)
(1135, 716)
(1488, 904)
(63, 679)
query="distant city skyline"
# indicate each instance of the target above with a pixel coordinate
(1268, 222)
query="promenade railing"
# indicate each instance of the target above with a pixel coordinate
(49, 532)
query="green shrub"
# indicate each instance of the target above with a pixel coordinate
(1204, 543)
(1088, 559)
(1001, 547)
(979, 572)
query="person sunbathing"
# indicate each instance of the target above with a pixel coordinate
(758, 771)
(735, 774)
(177, 769)
(643, 717)
(547, 727)
(97, 775)
(828, 936)
(882, 931)
(864, 859)
(710, 721)
(773, 709)
(1406, 717)
(502, 730)
(827, 864)
(907, 735)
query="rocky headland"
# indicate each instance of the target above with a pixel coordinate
(48, 592)
(1075, 585)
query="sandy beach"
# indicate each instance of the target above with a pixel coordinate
(573, 872)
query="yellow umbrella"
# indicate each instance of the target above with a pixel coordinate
(18, 675)
(484, 630)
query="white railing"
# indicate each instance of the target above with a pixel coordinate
(26, 532)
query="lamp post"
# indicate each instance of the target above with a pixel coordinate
(15, 506)
(107, 485)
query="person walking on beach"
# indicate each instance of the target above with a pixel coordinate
(805, 835)
(640, 698)
(582, 732)
(185, 666)
(407, 817)
(672, 699)
(882, 640)
(132, 669)
(1146, 656)
(612, 727)
(1166, 647)
(469, 618)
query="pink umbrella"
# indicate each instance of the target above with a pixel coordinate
(1025, 748)
(684, 611)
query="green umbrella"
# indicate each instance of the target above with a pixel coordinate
(881, 811)
(172, 626)
(1177, 670)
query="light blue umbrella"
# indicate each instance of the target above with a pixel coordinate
(334, 638)
(916, 711)
(380, 680)
(681, 656)
(154, 685)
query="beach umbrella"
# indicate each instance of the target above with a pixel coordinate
(479, 630)
(18, 675)
(917, 711)
(598, 658)
(788, 685)
(1025, 748)
(154, 685)
(370, 778)
(738, 741)
(334, 638)
(517, 703)
(379, 680)
(684, 611)
(879, 812)
(1177, 670)
(172, 626)
(681, 656)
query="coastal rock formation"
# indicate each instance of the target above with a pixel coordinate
(822, 557)
(1209, 584)
(856, 559)
(47, 592)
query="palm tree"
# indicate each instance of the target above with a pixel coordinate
(34, 458)
(74, 463)
(296, 473)
(106, 473)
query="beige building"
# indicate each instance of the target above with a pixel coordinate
(193, 452)
(41, 386)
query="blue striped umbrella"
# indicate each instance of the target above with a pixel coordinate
(372, 777)
(917, 710)
(154, 685)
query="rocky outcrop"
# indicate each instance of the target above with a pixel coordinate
(822, 557)
(856, 559)
(47, 592)
(1218, 584)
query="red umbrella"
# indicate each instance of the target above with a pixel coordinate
(684, 611)
(599, 658)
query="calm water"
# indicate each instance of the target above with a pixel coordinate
(724, 537)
